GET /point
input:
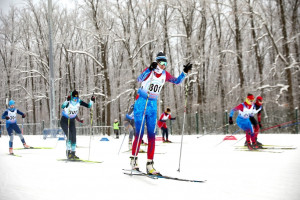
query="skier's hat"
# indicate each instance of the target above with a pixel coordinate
(161, 57)
(74, 94)
(11, 102)
(168, 110)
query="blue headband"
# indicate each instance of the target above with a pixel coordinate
(161, 58)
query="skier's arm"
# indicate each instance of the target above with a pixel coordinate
(239, 107)
(20, 113)
(145, 74)
(174, 80)
(82, 103)
(65, 104)
(172, 118)
(4, 115)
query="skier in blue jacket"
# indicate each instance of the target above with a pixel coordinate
(11, 124)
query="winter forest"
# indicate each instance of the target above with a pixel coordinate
(102, 46)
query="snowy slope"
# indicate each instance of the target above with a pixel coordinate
(230, 174)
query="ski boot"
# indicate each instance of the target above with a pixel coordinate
(69, 154)
(255, 146)
(26, 146)
(246, 143)
(74, 156)
(249, 145)
(134, 163)
(150, 169)
(260, 145)
(11, 151)
(168, 141)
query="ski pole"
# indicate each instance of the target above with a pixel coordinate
(184, 114)
(91, 129)
(122, 143)
(138, 141)
(22, 125)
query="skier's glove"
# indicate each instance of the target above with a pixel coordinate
(23, 116)
(260, 126)
(93, 99)
(230, 120)
(153, 66)
(7, 117)
(173, 118)
(81, 121)
(69, 98)
(187, 67)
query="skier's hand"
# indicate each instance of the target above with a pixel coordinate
(187, 67)
(153, 66)
(69, 98)
(7, 117)
(23, 116)
(81, 121)
(230, 120)
(260, 126)
(93, 98)
(173, 118)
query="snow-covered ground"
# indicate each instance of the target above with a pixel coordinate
(230, 174)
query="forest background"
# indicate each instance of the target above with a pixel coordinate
(102, 46)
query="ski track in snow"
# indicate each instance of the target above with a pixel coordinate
(230, 174)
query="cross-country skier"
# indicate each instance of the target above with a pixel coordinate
(257, 108)
(11, 124)
(67, 122)
(129, 124)
(152, 80)
(161, 123)
(245, 110)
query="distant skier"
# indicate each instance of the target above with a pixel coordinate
(161, 123)
(11, 125)
(67, 122)
(245, 111)
(129, 124)
(152, 80)
(116, 128)
(257, 108)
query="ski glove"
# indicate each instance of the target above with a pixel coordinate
(7, 117)
(93, 99)
(23, 116)
(187, 67)
(260, 126)
(230, 120)
(153, 66)
(69, 98)
(173, 118)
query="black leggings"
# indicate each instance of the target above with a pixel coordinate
(72, 129)
(165, 133)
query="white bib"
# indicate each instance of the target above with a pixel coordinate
(12, 116)
(155, 86)
(72, 110)
(246, 112)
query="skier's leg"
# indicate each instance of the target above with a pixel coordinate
(64, 125)
(139, 107)
(19, 133)
(73, 138)
(151, 122)
(11, 139)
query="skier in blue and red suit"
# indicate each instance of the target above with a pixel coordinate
(11, 124)
(152, 80)
(245, 111)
